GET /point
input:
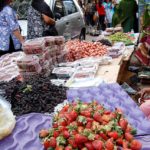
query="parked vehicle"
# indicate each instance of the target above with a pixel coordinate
(68, 14)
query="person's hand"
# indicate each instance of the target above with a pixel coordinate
(143, 92)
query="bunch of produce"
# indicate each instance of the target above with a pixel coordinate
(81, 49)
(89, 126)
(35, 95)
(121, 37)
(105, 42)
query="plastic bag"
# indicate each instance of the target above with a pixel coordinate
(7, 119)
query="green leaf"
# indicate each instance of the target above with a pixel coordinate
(133, 131)
(82, 119)
(61, 140)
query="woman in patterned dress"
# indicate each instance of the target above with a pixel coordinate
(10, 36)
(40, 18)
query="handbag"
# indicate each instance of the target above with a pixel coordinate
(50, 32)
(95, 16)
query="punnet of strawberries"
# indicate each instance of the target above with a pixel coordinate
(89, 126)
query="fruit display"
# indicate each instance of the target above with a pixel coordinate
(82, 49)
(121, 37)
(89, 126)
(35, 95)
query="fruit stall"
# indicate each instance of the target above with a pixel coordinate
(57, 95)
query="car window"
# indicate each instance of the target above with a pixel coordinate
(59, 8)
(70, 7)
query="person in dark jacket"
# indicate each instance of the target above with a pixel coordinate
(40, 20)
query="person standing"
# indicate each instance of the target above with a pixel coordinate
(40, 20)
(127, 14)
(101, 11)
(109, 9)
(10, 36)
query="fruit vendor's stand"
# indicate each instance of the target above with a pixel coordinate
(37, 94)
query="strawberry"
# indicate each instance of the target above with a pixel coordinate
(43, 133)
(119, 141)
(89, 145)
(80, 129)
(109, 144)
(125, 144)
(97, 116)
(97, 136)
(89, 119)
(63, 122)
(123, 123)
(64, 109)
(73, 115)
(62, 128)
(46, 144)
(55, 125)
(66, 134)
(79, 139)
(88, 125)
(97, 144)
(55, 134)
(72, 142)
(107, 112)
(113, 134)
(128, 137)
(59, 148)
(52, 142)
(68, 148)
(104, 136)
(106, 118)
(136, 145)
(84, 148)
(86, 113)
(81, 120)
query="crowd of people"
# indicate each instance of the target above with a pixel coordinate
(112, 13)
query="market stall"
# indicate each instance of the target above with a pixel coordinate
(36, 82)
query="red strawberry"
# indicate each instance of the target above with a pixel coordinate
(59, 148)
(128, 137)
(109, 144)
(79, 139)
(55, 134)
(88, 125)
(43, 133)
(72, 142)
(84, 148)
(68, 148)
(89, 119)
(46, 144)
(74, 132)
(125, 144)
(104, 136)
(97, 136)
(80, 129)
(107, 112)
(62, 128)
(97, 116)
(50, 143)
(97, 144)
(63, 123)
(65, 109)
(123, 123)
(113, 134)
(89, 145)
(66, 134)
(136, 145)
(73, 115)
(55, 125)
(106, 118)
(119, 141)
(86, 113)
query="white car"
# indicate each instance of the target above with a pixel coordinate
(67, 14)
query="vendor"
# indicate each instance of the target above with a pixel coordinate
(10, 36)
(145, 106)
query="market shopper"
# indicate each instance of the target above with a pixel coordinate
(127, 10)
(109, 9)
(10, 36)
(40, 20)
(101, 11)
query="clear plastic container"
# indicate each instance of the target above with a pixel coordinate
(50, 41)
(29, 64)
(35, 46)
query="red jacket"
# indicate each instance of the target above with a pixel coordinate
(101, 10)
